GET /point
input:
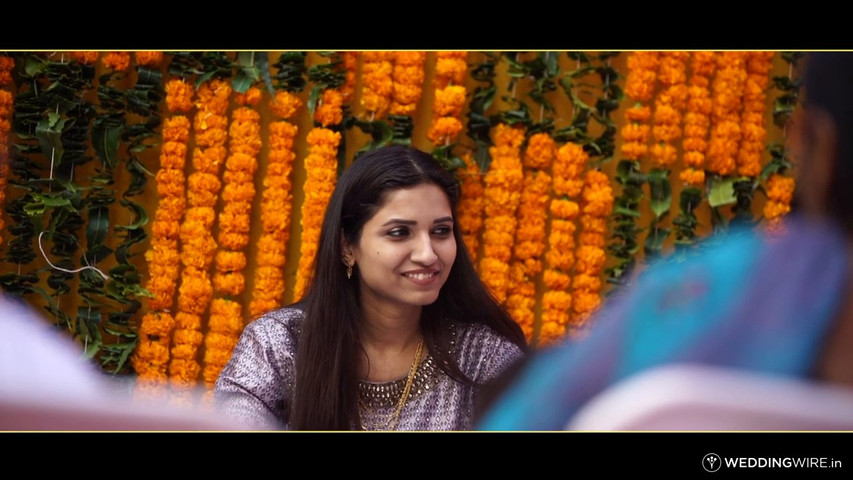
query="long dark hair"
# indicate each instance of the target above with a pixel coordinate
(829, 86)
(326, 386)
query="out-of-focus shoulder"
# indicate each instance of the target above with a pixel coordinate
(482, 352)
(289, 318)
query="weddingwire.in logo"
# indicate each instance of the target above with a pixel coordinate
(711, 462)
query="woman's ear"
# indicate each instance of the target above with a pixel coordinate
(347, 256)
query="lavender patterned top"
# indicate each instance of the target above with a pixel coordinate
(256, 385)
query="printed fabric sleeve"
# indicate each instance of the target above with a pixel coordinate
(251, 387)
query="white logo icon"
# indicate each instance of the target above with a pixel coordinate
(711, 462)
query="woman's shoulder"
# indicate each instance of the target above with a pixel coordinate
(480, 348)
(275, 325)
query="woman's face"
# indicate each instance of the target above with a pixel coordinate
(406, 250)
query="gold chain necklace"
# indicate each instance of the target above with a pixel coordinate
(394, 418)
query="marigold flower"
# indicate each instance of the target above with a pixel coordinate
(86, 58)
(149, 59)
(444, 129)
(179, 95)
(285, 104)
(118, 61)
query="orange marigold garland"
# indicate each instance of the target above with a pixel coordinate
(694, 144)
(596, 206)
(118, 61)
(155, 332)
(780, 191)
(377, 89)
(568, 166)
(321, 167)
(198, 246)
(639, 86)
(697, 120)
(530, 234)
(471, 206)
(504, 182)
(226, 319)
(149, 59)
(758, 65)
(668, 106)
(86, 58)
(276, 201)
(350, 65)
(726, 132)
(450, 97)
(408, 77)
(6, 105)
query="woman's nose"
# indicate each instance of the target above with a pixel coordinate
(423, 252)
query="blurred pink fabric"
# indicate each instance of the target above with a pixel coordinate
(46, 384)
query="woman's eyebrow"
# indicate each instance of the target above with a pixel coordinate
(400, 221)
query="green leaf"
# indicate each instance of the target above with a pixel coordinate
(626, 211)
(313, 98)
(34, 66)
(203, 78)
(42, 201)
(386, 133)
(721, 192)
(139, 213)
(98, 226)
(49, 133)
(690, 198)
(242, 81)
(105, 140)
(661, 193)
(655, 239)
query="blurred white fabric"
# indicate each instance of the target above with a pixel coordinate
(46, 384)
(702, 398)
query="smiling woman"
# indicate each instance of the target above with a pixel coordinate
(396, 330)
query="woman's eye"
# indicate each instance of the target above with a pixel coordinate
(443, 230)
(398, 232)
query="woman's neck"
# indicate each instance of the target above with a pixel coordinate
(386, 328)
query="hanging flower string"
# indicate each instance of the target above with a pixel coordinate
(321, 167)
(668, 106)
(377, 89)
(350, 65)
(6, 106)
(408, 78)
(566, 185)
(780, 192)
(504, 182)
(276, 205)
(530, 234)
(596, 206)
(155, 332)
(471, 206)
(198, 246)
(149, 58)
(758, 66)
(726, 132)
(118, 61)
(450, 97)
(86, 58)
(226, 317)
(697, 119)
(639, 86)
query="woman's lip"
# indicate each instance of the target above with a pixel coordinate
(426, 277)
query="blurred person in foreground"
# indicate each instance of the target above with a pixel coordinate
(47, 384)
(776, 304)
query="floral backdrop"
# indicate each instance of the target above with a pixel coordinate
(155, 202)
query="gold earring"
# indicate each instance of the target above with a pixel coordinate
(349, 271)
